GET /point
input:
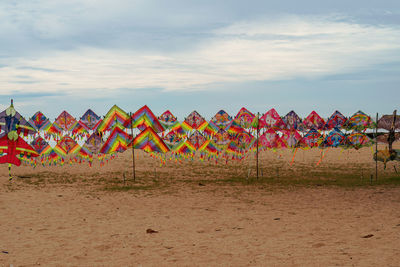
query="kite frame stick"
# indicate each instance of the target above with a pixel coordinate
(258, 129)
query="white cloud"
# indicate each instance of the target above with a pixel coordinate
(284, 48)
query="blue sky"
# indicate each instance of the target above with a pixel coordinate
(200, 55)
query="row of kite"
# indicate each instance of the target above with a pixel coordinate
(221, 137)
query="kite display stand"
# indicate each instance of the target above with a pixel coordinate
(258, 129)
(376, 148)
(133, 151)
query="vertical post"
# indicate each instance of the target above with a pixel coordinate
(258, 129)
(9, 166)
(133, 149)
(376, 148)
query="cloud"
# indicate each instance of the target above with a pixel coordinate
(283, 48)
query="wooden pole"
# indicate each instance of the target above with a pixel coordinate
(133, 150)
(258, 129)
(376, 148)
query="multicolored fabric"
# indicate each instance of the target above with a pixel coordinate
(79, 130)
(197, 139)
(13, 124)
(90, 120)
(194, 122)
(244, 118)
(40, 121)
(221, 119)
(167, 119)
(118, 141)
(334, 139)
(234, 128)
(386, 121)
(293, 121)
(221, 138)
(210, 148)
(144, 118)
(149, 141)
(359, 122)
(272, 120)
(314, 121)
(271, 139)
(184, 147)
(94, 143)
(311, 139)
(172, 138)
(336, 120)
(66, 145)
(291, 137)
(41, 146)
(244, 140)
(115, 116)
(65, 122)
(211, 129)
(358, 140)
(177, 127)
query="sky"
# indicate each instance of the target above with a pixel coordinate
(200, 55)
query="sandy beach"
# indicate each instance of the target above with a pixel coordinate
(203, 216)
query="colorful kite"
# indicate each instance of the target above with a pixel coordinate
(177, 127)
(149, 141)
(291, 138)
(271, 139)
(94, 143)
(221, 138)
(272, 120)
(41, 146)
(336, 120)
(194, 122)
(90, 120)
(293, 121)
(172, 139)
(211, 129)
(312, 139)
(40, 122)
(314, 121)
(144, 118)
(79, 130)
(167, 119)
(66, 145)
(244, 118)
(359, 122)
(114, 117)
(334, 139)
(197, 139)
(358, 140)
(65, 122)
(221, 119)
(118, 141)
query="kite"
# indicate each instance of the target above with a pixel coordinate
(221, 138)
(65, 122)
(271, 139)
(11, 144)
(234, 128)
(244, 118)
(291, 137)
(312, 139)
(211, 129)
(359, 122)
(149, 141)
(114, 117)
(144, 118)
(167, 119)
(197, 139)
(194, 122)
(41, 146)
(172, 138)
(117, 141)
(358, 140)
(314, 121)
(79, 130)
(221, 119)
(90, 120)
(94, 143)
(40, 122)
(336, 120)
(334, 139)
(271, 119)
(293, 121)
(66, 145)
(177, 127)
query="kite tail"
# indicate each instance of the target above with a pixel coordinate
(294, 154)
(9, 172)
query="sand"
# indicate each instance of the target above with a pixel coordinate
(74, 216)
